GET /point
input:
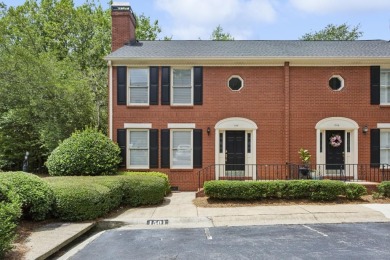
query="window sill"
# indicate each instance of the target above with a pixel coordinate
(384, 105)
(137, 106)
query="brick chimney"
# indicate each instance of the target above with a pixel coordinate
(123, 25)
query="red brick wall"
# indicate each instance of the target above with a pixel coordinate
(263, 100)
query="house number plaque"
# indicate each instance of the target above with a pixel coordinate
(157, 222)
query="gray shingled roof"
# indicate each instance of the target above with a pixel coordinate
(253, 49)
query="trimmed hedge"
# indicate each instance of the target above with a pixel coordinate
(156, 174)
(384, 189)
(143, 190)
(35, 194)
(323, 190)
(354, 191)
(85, 197)
(10, 212)
(84, 153)
(79, 199)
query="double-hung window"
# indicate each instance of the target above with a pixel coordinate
(385, 146)
(182, 87)
(181, 149)
(138, 86)
(385, 87)
(138, 149)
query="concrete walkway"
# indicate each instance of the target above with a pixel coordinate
(178, 211)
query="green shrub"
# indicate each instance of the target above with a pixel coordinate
(354, 191)
(384, 189)
(143, 190)
(10, 212)
(156, 174)
(80, 198)
(35, 194)
(297, 189)
(326, 190)
(84, 153)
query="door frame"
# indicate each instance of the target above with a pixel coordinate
(351, 129)
(234, 124)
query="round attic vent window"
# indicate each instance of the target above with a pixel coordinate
(235, 83)
(336, 83)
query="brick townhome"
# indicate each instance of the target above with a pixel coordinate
(180, 106)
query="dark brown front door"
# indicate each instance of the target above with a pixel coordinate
(235, 150)
(334, 153)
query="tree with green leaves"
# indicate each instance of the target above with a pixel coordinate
(53, 74)
(219, 35)
(332, 32)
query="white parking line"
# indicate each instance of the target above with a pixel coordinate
(312, 229)
(208, 235)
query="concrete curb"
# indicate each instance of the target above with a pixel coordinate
(52, 237)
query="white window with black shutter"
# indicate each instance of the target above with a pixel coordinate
(139, 146)
(385, 87)
(181, 147)
(182, 86)
(137, 86)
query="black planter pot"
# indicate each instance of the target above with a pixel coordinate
(304, 172)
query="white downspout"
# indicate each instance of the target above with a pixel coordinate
(110, 109)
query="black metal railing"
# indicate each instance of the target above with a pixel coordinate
(270, 172)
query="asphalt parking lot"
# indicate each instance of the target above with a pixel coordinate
(317, 241)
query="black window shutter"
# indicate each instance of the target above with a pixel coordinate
(198, 85)
(165, 85)
(197, 139)
(153, 81)
(153, 148)
(121, 139)
(375, 147)
(121, 73)
(165, 151)
(375, 79)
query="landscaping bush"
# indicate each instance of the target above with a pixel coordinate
(384, 189)
(297, 189)
(326, 190)
(156, 174)
(35, 194)
(143, 190)
(354, 191)
(80, 198)
(84, 153)
(10, 211)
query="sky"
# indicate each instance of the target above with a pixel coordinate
(258, 19)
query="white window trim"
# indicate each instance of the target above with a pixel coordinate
(171, 149)
(128, 87)
(192, 86)
(242, 83)
(341, 81)
(137, 125)
(386, 130)
(181, 126)
(128, 166)
(387, 86)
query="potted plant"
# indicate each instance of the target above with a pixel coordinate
(305, 156)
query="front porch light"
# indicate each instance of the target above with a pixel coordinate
(365, 129)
